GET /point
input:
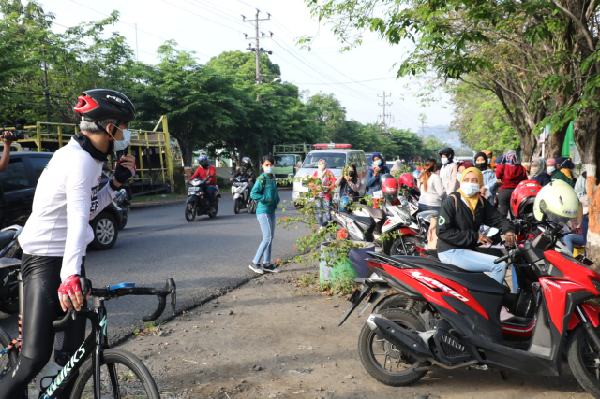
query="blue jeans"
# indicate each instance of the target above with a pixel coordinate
(474, 261)
(322, 210)
(573, 240)
(267, 226)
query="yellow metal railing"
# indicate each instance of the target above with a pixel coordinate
(154, 150)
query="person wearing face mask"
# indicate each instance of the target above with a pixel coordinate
(55, 237)
(323, 192)
(448, 171)
(349, 185)
(461, 216)
(265, 194)
(538, 171)
(375, 172)
(488, 190)
(510, 172)
(553, 169)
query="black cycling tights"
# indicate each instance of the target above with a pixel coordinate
(41, 279)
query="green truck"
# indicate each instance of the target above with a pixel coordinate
(288, 158)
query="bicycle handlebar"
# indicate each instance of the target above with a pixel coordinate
(109, 293)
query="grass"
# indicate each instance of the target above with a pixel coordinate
(157, 197)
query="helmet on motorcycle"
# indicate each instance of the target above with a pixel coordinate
(556, 201)
(522, 199)
(203, 161)
(406, 179)
(101, 104)
(447, 151)
(246, 161)
(389, 187)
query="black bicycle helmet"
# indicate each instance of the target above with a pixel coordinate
(447, 151)
(101, 104)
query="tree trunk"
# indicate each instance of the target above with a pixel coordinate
(586, 136)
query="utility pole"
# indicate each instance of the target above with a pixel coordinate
(257, 35)
(384, 116)
(46, 88)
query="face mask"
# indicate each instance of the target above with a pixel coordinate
(377, 163)
(321, 166)
(121, 145)
(444, 160)
(459, 176)
(469, 189)
(550, 169)
(268, 169)
(482, 166)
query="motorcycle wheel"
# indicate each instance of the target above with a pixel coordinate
(213, 212)
(411, 243)
(380, 357)
(584, 361)
(236, 206)
(190, 212)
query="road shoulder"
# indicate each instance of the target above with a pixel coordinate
(272, 338)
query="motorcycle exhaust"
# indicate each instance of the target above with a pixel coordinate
(401, 337)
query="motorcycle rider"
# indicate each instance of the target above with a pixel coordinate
(245, 170)
(461, 216)
(208, 173)
(55, 237)
(448, 171)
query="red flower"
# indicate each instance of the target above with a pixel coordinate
(342, 234)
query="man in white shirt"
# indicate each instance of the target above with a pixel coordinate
(56, 235)
(448, 171)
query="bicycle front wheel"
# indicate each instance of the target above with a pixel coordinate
(122, 375)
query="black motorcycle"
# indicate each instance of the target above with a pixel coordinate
(199, 203)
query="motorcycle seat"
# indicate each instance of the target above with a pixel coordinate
(10, 263)
(6, 237)
(475, 281)
(362, 220)
(375, 213)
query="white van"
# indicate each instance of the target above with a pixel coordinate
(336, 160)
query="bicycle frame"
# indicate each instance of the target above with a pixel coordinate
(93, 346)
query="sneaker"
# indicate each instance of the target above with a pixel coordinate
(256, 268)
(271, 268)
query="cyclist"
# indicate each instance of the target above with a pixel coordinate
(55, 237)
(208, 172)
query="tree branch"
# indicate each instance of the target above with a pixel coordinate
(583, 29)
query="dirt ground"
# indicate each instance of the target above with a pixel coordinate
(274, 339)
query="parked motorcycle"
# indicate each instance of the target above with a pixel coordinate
(198, 202)
(240, 189)
(445, 316)
(389, 227)
(10, 255)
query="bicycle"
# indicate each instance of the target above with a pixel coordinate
(85, 365)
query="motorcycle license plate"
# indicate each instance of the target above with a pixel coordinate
(193, 190)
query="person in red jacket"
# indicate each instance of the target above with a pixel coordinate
(207, 172)
(510, 172)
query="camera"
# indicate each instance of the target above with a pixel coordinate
(17, 134)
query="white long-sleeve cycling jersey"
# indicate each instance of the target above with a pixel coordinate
(66, 199)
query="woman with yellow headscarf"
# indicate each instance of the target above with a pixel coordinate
(461, 216)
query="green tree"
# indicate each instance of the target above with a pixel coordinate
(481, 121)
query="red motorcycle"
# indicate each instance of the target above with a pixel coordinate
(441, 315)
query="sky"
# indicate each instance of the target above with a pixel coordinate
(357, 77)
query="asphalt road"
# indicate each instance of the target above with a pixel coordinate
(204, 257)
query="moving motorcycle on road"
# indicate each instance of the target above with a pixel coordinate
(240, 189)
(198, 201)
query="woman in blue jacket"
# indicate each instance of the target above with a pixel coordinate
(375, 172)
(265, 194)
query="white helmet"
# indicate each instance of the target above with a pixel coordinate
(556, 201)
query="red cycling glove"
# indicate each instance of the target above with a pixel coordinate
(70, 286)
